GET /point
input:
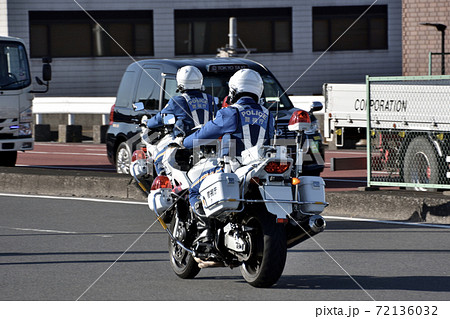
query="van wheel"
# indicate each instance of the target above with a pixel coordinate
(123, 158)
(8, 158)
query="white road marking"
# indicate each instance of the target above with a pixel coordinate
(75, 198)
(388, 222)
(41, 230)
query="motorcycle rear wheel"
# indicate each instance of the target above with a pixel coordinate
(268, 256)
(181, 261)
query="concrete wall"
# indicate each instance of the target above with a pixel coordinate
(419, 40)
(101, 76)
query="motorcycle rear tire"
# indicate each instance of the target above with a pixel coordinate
(181, 261)
(269, 250)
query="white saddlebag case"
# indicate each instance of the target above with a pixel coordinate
(160, 200)
(219, 193)
(312, 189)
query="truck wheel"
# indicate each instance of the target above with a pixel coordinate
(123, 158)
(421, 164)
(8, 158)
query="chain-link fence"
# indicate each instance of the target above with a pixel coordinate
(409, 131)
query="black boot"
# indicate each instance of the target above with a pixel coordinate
(205, 239)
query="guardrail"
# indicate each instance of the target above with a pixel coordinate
(71, 106)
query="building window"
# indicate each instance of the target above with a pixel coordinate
(369, 33)
(204, 31)
(74, 34)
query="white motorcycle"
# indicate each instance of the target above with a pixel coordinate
(255, 209)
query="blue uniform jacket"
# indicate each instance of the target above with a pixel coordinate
(179, 107)
(229, 121)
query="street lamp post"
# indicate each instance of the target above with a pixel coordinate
(441, 28)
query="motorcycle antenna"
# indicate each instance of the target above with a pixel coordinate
(276, 119)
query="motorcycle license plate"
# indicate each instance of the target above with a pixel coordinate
(274, 194)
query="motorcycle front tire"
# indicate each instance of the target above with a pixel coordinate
(269, 250)
(181, 261)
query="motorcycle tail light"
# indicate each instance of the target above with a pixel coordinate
(277, 167)
(300, 121)
(161, 182)
(138, 155)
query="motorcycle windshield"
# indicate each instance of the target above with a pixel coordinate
(14, 68)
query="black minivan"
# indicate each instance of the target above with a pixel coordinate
(153, 82)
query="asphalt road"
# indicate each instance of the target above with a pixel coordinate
(69, 249)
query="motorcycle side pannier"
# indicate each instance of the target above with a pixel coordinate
(312, 190)
(219, 193)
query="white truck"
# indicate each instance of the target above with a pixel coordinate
(16, 96)
(345, 115)
(409, 140)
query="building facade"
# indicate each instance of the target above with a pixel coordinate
(304, 43)
(419, 39)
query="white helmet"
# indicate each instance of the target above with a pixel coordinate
(189, 78)
(246, 80)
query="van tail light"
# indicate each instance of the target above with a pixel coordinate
(277, 167)
(161, 182)
(111, 115)
(138, 155)
(300, 121)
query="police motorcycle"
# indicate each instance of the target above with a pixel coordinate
(256, 210)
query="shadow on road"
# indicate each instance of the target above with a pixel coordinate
(412, 283)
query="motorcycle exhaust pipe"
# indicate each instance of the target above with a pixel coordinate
(317, 223)
(304, 230)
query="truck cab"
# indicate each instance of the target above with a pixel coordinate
(16, 96)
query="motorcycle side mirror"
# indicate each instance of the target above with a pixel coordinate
(169, 119)
(138, 106)
(316, 106)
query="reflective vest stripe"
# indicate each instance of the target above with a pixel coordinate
(246, 130)
(194, 113)
(205, 112)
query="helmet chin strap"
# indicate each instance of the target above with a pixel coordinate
(232, 95)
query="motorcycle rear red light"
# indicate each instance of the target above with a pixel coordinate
(161, 182)
(299, 116)
(276, 167)
(138, 155)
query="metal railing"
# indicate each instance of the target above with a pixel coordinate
(72, 106)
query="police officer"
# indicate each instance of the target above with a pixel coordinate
(243, 124)
(193, 108)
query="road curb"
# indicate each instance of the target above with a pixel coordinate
(68, 183)
(389, 205)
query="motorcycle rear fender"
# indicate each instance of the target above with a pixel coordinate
(281, 193)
